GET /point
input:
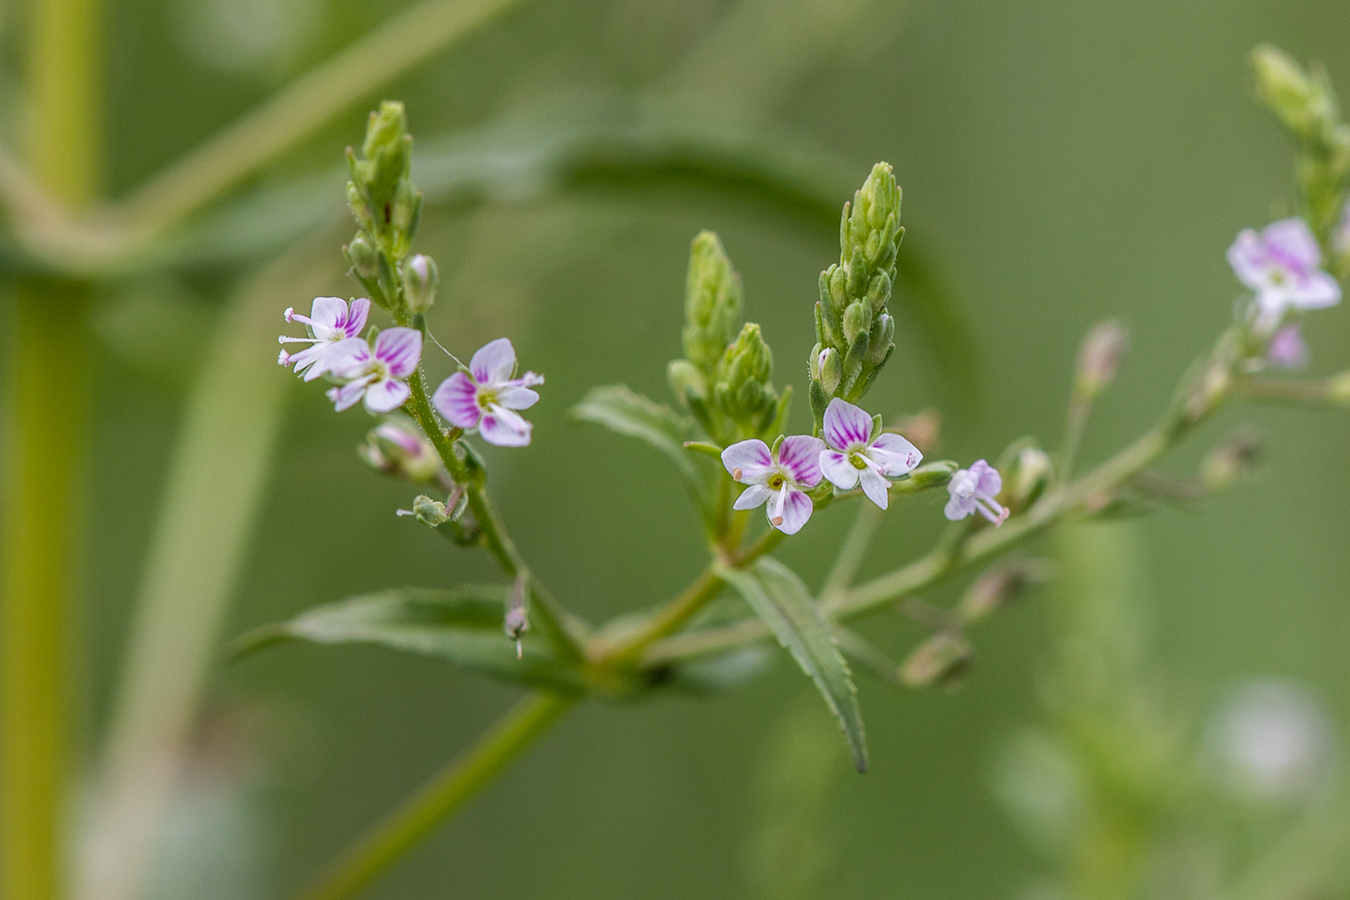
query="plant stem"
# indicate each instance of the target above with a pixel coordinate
(321, 93)
(441, 796)
(47, 394)
(852, 551)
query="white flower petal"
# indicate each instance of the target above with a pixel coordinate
(875, 486)
(386, 396)
(895, 454)
(494, 361)
(846, 426)
(504, 428)
(838, 470)
(751, 459)
(753, 496)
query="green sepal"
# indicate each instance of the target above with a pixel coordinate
(704, 447)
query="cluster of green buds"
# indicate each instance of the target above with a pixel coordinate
(726, 376)
(387, 208)
(855, 334)
(1305, 103)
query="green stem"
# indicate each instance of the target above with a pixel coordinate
(558, 620)
(441, 796)
(42, 515)
(237, 152)
(854, 548)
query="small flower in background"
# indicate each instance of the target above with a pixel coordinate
(396, 447)
(1282, 265)
(854, 455)
(375, 374)
(780, 479)
(330, 321)
(1287, 349)
(1271, 741)
(973, 490)
(486, 396)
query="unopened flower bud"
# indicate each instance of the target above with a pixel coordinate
(405, 212)
(1301, 102)
(1100, 358)
(999, 586)
(363, 258)
(516, 622)
(712, 302)
(1028, 469)
(359, 207)
(926, 477)
(883, 339)
(396, 448)
(829, 370)
(420, 278)
(1231, 460)
(387, 144)
(1213, 387)
(857, 320)
(942, 659)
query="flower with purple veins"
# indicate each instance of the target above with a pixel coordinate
(486, 397)
(778, 477)
(1282, 265)
(1287, 349)
(375, 373)
(856, 455)
(329, 322)
(973, 490)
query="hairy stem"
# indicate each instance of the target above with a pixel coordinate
(441, 796)
(250, 143)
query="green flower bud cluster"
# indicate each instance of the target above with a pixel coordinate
(726, 377)
(387, 208)
(855, 334)
(1305, 103)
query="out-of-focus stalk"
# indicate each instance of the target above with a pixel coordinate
(47, 387)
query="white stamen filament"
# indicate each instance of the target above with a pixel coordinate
(778, 505)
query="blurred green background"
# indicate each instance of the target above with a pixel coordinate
(1063, 163)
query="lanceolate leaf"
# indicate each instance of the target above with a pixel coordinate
(778, 597)
(463, 626)
(627, 412)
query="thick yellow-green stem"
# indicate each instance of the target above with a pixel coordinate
(42, 516)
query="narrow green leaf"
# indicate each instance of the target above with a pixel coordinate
(778, 597)
(627, 412)
(463, 626)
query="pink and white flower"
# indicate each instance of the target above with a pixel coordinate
(779, 478)
(374, 374)
(329, 322)
(1283, 266)
(487, 396)
(973, 490)
(855, 455)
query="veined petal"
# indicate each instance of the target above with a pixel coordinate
(958, 508)
(800, 455)
(517, 397)
(1291, 243)
(895, 454)
(400, 349)
(1317, 291)
(386, 396)
(348, 358)
(875, 486)
(1248, 258)
(753, 496)
(346, 396)
(326, 317)
(494, 361)
(797, 508)
(988, 482)
(357, 314)
(836, 467)
(504, 428)
(846, 426)
(457, 399)
(749, 462)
